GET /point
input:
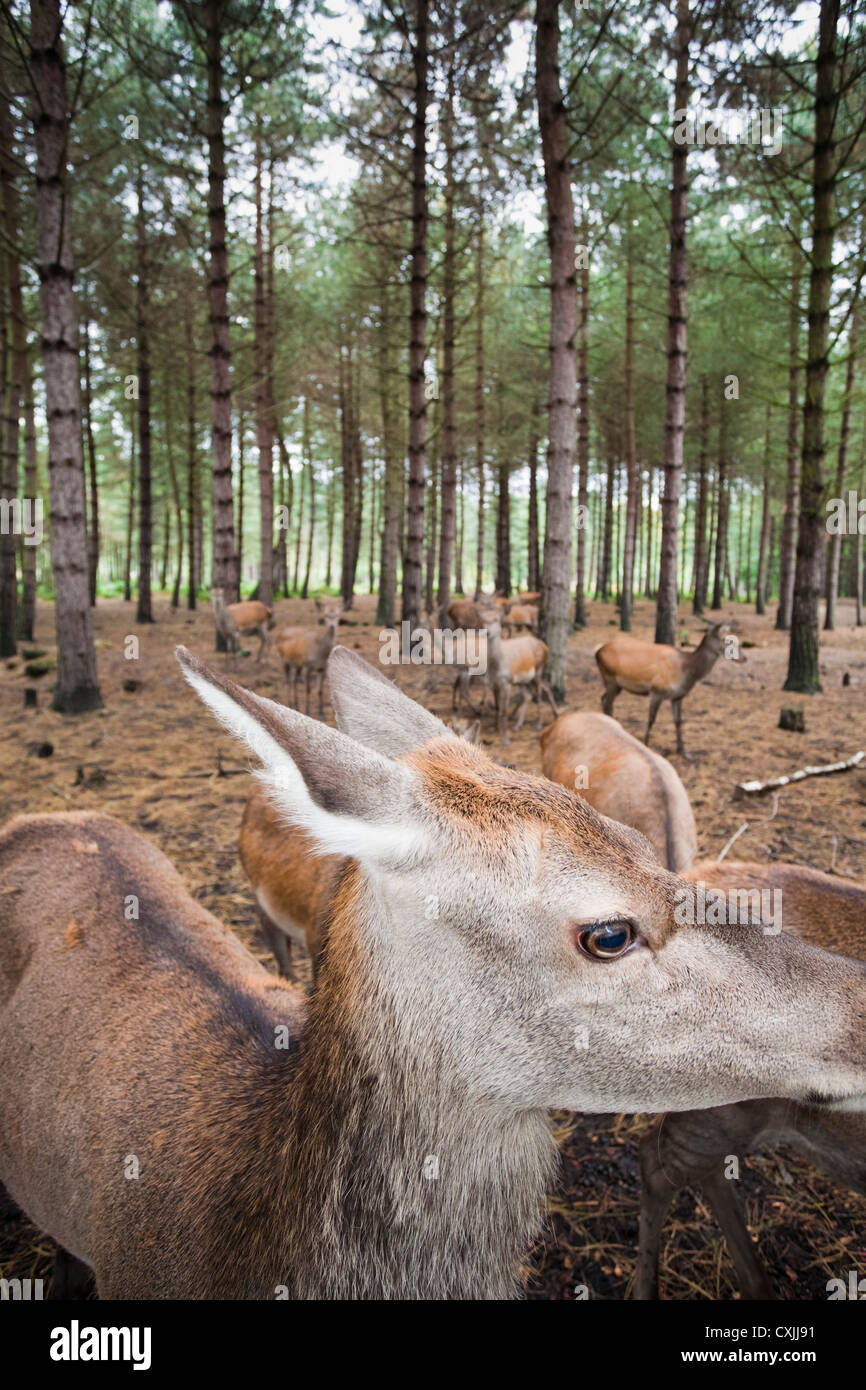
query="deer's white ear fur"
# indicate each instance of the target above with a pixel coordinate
(387, 839)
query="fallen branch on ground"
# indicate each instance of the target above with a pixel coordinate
(756, 788)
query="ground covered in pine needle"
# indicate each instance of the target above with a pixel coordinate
(154, 758)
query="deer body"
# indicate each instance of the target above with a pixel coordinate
(463, 612)
(305, 652)
(656, 670)
(521, 615)
(692, 1148)
(594, 755)
(516, 662)
(398, 1146)
(236, 619)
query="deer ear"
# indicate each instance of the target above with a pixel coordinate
(371, 709)
(350, 799)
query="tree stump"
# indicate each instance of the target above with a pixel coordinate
(791, 718)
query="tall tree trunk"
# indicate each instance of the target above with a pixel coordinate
(144, 610)
(413, 562)
(582, 434)
(93, 529)
(225, 572)
(479, 391)
(788, 552)
(296, 582)
(130, 508)
(357, 471)
(606, 549)
(533, 565)
(700, 545)
(242, 426)
(264, 418)
(385, 607)
(348, 477)
(191, 469)
(666, 610)
(722, 511)
(332, 511)
(858, 561)
(835, 557)
(631, 448)
(761, 586)
(27, 611)
(803, 674)
(461, 529)
(12, 383)
(77, 687)
(503, 533)
(311, 527)
(555, 140)
(448, 527)
(175, 490)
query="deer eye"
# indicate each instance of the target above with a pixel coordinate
(606, 940)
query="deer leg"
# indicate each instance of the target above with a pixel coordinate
(549, 693)
(307, 674)
(321, 694)
(522, 712)
(677, 710)
(656, 1194)
(607, 699)
(728, 1211)
(279, 944)
(263, 641)
(655, 701)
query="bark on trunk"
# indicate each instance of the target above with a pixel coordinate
(448, 525)
(835, 557)
(13, 386)
(144, 609)
(761, 586)
(479, 393)
(77, 687)
(582, 437)
(225, 573)
(264, 430)
(413, 561)
(803, 674)
(191, 469)
(533, 565)
(700, 542)
(385, 608)
(722, 510)
(788, 555)
(631, 450)
(93, 528)
(553, 126)
(666, 611)
(27, 611)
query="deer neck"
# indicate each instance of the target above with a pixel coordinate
(397, 1183)
(701, 663)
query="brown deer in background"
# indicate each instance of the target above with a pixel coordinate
(234, 620)
(659, 671)
(594, 755)
(305, 652)
(495, 950)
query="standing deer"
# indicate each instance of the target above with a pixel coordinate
(305, 651)
(622, 778)
(495, 949)
(662, 672)
(692, 1148)
(236, 619)
(519, 615)
(515, 662)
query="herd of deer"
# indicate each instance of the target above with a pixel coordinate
(487, 946)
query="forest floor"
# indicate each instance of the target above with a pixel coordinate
(151, 758)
